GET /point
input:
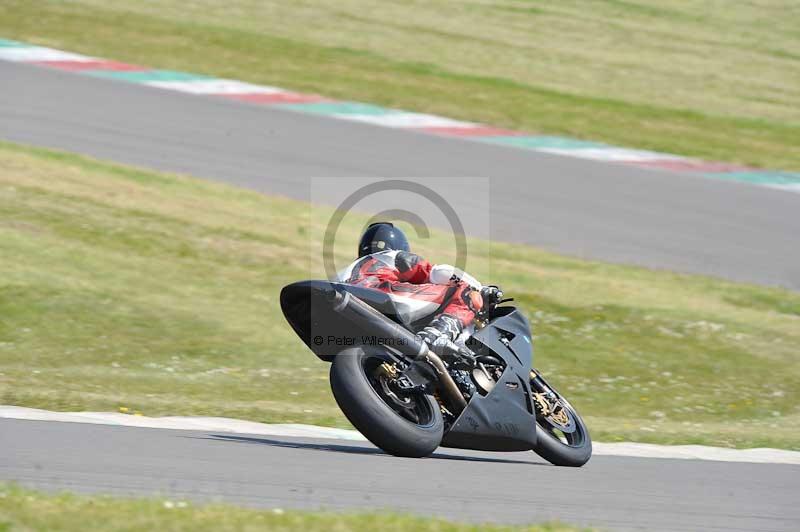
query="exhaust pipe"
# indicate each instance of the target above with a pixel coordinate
(409, 344)
(455, 399)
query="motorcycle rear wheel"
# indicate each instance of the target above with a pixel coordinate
(401, 425)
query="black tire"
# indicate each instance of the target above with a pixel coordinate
(569, 449)
(552, 449)
(372, 414)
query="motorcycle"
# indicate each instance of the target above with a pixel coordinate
(408, 401)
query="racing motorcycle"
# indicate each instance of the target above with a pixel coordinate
(408, 401)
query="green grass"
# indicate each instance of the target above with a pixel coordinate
(124, 287)
(718, 80)
(28, 510)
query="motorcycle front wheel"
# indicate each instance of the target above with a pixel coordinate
(562, 438)
(401, 424)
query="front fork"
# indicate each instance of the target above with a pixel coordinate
(545, 400)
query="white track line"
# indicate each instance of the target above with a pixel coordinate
(40, 53)
(613, 154)
(215, 86)
(217, 424)
(221, 424)
(795, 187)
(403, 119)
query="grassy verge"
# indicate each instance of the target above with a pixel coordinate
(123, 287)
(22, 509)
(697, 78)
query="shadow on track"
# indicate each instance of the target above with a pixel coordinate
(355, 449)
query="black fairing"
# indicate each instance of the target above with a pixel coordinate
(504, 419)
(308, 307)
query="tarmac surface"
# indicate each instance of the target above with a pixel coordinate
(612, 493)
(583, 208)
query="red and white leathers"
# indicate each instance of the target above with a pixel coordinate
(418, 288)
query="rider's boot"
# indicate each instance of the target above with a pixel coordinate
(439, 335)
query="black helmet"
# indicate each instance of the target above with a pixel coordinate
(382, 236)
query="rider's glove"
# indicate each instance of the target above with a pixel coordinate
(491, 295)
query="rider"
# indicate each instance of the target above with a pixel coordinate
(385, 263)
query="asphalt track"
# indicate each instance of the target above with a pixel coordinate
(583, 208)
(610, 492)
